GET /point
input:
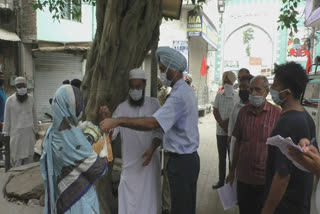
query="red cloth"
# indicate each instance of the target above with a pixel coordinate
(203, 67)
(252, 131)
(307, 53)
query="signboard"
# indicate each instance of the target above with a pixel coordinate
(298, 45)
(255, 61)
(182, 47)
(198, 26)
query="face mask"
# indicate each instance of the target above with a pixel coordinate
(275, 96)
(22, 91)
(256, 101)
(244, 95)
(135, 94)
(164, 79)
(228, 88)
(1, 82)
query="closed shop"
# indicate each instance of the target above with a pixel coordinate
(51, 69)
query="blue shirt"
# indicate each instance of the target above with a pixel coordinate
(178, 118)
(3, 98)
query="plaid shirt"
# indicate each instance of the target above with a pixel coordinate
(252, 131)
(225, 105)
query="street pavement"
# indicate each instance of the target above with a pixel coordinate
(207, 199)
(13, 208)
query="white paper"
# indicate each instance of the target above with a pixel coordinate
(228, 196)
(104, 151)
(282, 144)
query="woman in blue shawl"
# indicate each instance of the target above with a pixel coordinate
(69, 165)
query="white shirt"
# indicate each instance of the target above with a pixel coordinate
(225, 105)
(233, 117)
(232, 122)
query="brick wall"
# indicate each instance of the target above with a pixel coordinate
(28, 21)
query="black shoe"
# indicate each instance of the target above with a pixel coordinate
(165, 212)
(218, 185)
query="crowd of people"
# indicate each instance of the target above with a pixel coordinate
(266, 180)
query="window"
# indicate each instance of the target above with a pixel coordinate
(311, 94)
(72, 10)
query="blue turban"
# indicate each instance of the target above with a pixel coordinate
(171, 58)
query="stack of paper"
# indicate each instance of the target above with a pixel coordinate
(282, 144)
(228, 196)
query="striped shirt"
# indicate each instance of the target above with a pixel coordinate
(252, 131)
(225, 105)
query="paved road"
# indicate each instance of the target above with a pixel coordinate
(208, 201)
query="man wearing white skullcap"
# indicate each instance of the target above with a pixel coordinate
(21, 124)
(140, 188)
(178, 118)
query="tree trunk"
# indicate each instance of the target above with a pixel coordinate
(126, 32)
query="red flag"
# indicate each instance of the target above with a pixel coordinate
(307, 53)
(203, 67)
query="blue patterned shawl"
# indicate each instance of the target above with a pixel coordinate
(69, 165)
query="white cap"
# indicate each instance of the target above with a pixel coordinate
(137, 73)
(20, 80)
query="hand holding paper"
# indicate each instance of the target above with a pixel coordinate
(283, 144)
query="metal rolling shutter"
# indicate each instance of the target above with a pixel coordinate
(51, 69)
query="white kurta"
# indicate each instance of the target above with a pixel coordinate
(139, 189)
(20, 123)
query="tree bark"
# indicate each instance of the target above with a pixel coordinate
(126, 32)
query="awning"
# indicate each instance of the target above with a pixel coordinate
(8, 36)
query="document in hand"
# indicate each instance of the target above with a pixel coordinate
(228, 196)
(282, 144)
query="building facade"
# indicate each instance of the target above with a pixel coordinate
(195, 35)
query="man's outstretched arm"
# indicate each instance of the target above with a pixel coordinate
(139, 123)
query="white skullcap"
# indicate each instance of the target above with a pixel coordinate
(20, 80)
(137, 73)
(189, 77)
(172, 59)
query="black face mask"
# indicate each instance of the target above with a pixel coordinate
(244, 95)
(1, 82)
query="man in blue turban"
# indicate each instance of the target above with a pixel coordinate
(178, 118)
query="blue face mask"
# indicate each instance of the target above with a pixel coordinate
(164, 79)
(275, 96)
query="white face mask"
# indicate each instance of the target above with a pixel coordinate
(136, 94)
(164, 79)
(256, 101)
(22, 91)
(228, 89)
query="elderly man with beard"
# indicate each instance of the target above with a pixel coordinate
(139, 189)
(21, 124)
